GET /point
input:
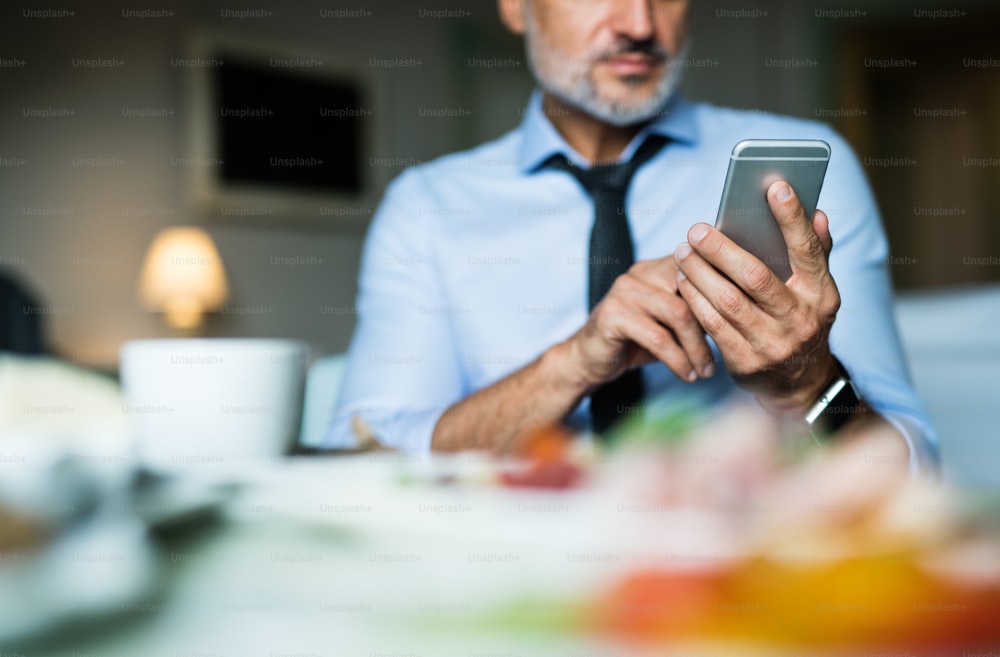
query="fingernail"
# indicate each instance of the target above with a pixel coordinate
(691, 377)
(697, 232)
(682, 251)
(784, 192)
(708, 371)
(681, 276)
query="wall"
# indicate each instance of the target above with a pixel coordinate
(82, 194)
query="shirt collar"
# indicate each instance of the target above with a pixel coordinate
(540, 140)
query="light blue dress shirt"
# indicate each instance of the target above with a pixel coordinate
(475, 264)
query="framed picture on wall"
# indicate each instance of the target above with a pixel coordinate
(279, 135)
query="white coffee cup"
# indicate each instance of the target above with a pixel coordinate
(213, 401)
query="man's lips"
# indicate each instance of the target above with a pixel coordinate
(632, 64)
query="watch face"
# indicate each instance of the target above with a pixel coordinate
(839, 404)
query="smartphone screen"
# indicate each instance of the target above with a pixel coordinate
(755, 165)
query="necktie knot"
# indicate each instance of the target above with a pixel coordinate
(613, 177)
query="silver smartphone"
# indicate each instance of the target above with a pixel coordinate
(755, 165)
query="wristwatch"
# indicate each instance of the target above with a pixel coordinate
(837, 406)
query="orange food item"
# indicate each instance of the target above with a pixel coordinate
(887, 603)
(652, 605)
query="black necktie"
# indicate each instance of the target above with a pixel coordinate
(611, 255)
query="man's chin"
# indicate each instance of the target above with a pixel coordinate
(629, 110)
(618, 103)
(630, 91)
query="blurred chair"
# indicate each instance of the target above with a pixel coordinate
(323, 384)
(952, 342)
(20, 318)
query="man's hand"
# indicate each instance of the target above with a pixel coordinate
(773, 335)
(641, 320)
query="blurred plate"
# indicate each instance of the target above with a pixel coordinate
(97, 570)
(98, 559)
(386, 496)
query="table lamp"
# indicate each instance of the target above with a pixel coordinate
(183, 277)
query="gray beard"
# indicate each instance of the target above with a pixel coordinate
(570, 81)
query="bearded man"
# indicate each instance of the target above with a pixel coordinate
(565, 272)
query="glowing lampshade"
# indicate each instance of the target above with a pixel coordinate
(183, 276)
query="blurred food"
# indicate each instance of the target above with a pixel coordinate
(887, 602)
(547, 461)
(842, 547)
(46, 396)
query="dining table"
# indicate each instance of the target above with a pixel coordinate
(379, 553)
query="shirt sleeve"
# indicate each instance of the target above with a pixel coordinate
(865, 337)
(402, 368)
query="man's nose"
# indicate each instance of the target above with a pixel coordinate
(633, 18)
